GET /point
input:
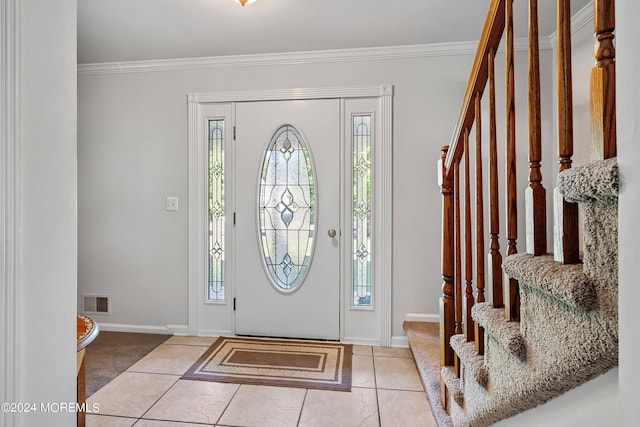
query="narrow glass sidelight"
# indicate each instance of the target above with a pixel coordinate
(216, 210)
(287, 209)
(361, 238)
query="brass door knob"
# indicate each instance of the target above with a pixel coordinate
(331, 232)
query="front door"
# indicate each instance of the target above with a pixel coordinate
(287, 193)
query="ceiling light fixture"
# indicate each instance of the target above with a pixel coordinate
(245, 2)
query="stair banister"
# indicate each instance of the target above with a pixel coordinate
(512, 294)
(447, 302)
(535, 194)
(603, 83)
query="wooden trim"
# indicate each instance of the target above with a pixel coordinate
(603, 83)
(567, 249)
(490, 38)
(468, 250)
(535, 196)
(478, 330)
(479, 204)
(447, 303)
(458, 248)
(511, 296)
(495, 257)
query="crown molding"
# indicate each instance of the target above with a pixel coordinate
(285, 58)
(579, 20)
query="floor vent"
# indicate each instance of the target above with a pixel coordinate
(96, 304)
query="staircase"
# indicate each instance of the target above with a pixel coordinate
(551, 322)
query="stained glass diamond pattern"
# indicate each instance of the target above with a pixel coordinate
(286, 209)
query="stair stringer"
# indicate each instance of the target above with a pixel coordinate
(565, 346)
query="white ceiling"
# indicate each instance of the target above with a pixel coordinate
(134, 30)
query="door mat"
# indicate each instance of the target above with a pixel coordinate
(286, 363)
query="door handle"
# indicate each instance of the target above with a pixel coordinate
(331, 232)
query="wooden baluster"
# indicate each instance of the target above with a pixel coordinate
(535, 194)
(603, 83)
(479, 331)
(458, 259)
(495, 257)
(447, 302)
(512, 294)
(566, 248)
(468, 252)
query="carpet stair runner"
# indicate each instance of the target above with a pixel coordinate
(568, 329)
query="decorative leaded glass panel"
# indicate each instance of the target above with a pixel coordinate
(361, 172)
(287, 209)
(216, 210)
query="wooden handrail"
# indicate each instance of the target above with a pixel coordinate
(490, 39)
(456, 301)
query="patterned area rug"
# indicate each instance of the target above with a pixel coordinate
(286, 363)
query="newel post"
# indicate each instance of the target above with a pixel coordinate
(447, 301)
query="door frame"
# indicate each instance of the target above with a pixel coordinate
(382, 212)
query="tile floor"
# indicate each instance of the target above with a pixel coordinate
(386, 392)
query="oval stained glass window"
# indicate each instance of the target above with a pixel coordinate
(287, 209)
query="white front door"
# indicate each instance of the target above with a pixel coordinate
(287, 195)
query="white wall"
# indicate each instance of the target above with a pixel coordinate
(628, 93)
(45, 225)
(132, 153)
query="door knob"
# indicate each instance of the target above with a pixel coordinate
(331, 232)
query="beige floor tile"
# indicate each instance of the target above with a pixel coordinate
(397, 373)
(263, 406)
(169, 359)
(93, 420)
(155, 423)
(399, 408)
(391, 352)
(130, 394)
(362, 350)
(206, 341)
(193, 401)
(362, 374)
(340, 409)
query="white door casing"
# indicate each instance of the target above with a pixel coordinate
(366, 326)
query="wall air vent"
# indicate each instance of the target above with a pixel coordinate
(96, 304)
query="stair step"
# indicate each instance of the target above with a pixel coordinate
(567, 283)
(424, 341)
(594, 181)
(504, 332)
(470, 359)
(453, 384)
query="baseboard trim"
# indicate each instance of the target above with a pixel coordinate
(361, 341)
(422, 317)
(140, 329)
(214, 333)
(400, 341)
(181, 330)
